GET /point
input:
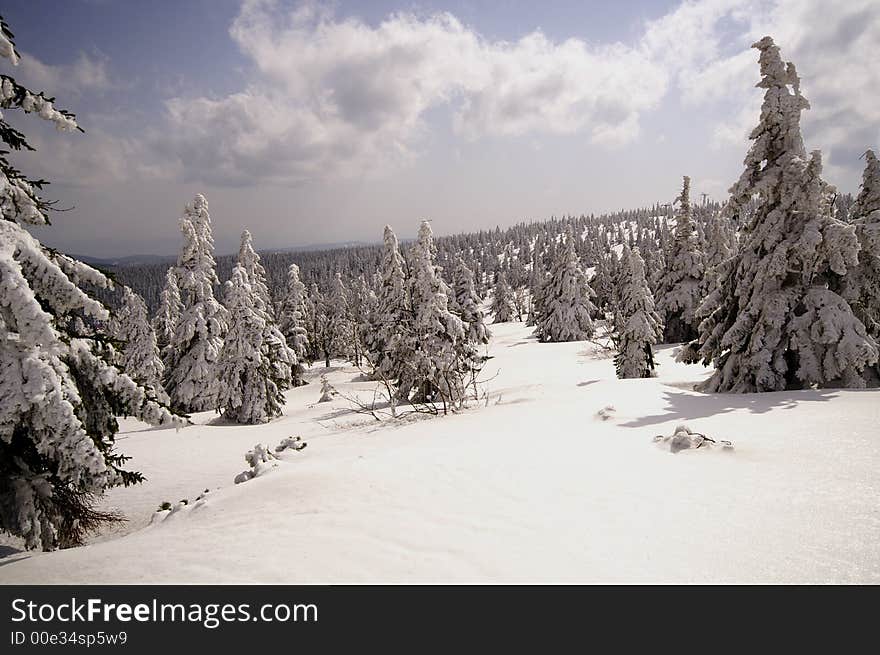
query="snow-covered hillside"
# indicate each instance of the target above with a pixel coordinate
(533, 487)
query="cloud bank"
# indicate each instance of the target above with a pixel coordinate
(336, 97)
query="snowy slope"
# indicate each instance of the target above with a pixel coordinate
(531, 488)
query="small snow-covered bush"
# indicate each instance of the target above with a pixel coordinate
(606, 413)
(327, 390)
(260, 460)
(291, 443)
(683, 438)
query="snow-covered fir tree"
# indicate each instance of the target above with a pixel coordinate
(292, 316)
(168, 314)
(312, 320)
(566, 299)
(503, 307)
(361, 302)
(190, 376)
(720, 241)
(249, 260)
(282, 359)
(247, 391)
(442, 358)
(861, 285)
(392, 343)
(327, 390)
(772, 322)
(139, 356)
(467, 303)
(679, 290)
(59, 391)
(333, 325)
(639, 324)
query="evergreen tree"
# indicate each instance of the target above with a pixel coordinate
(168, 315)
(190, 376)
(59, 392)
(468, 304)
(313, 306)
(392, 344)
(773, 323)
(292, 316)
(861, 285)
(249, 260)
(140, 355)
(639, 324)
(503, 307)
(282, 359)
(442, 355)
(720, 241)
(361, 307)
(247, 391)
(680, 289)
(566, 300)
(333, 325)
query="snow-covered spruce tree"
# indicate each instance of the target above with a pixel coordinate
(190, 376)
(327, 390)
(772, 322)
(249, 260)
(862, 284)
(282, 359)
(247, 390)
(357, 297)
(168, 314)
(59, 394)
(503, 307)
(392, 343)
(720, 241)
(312, 320)
(139, 357)
(679, 290)
(468, 304)
(292, 316)
(639, 324)
(333, 325)
(443, 358)
(566, 302)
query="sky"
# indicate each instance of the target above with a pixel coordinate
(320, 122)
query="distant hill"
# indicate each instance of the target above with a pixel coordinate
(131, 260)
(141, 260)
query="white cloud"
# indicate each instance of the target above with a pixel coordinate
(833, 45)
(333, 96)
(85, 73)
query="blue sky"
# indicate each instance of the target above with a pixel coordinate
(320, 122)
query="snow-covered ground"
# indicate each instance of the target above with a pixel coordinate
(532, 487)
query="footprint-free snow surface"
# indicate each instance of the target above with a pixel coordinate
(537, 485)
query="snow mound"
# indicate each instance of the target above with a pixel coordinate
(261, 459)
(683, 438)
(606, 413)
(291, 443)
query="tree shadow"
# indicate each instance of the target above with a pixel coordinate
(683, 406)
(6, 553)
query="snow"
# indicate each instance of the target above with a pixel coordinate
(531, 487)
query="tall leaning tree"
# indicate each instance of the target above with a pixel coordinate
(773, 321)
(59, 390)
